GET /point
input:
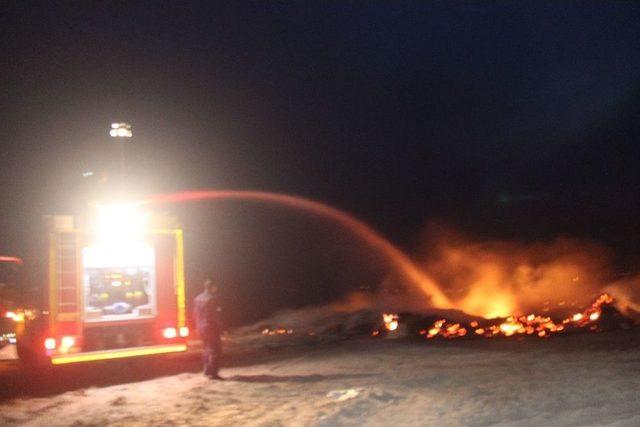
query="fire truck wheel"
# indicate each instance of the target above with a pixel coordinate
(30, 358)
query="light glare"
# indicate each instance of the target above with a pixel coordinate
(50, 343)
(120, 224)
(120, 130)
(169, 333)
(67, 342)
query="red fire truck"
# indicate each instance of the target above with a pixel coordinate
(9, 298)
(114, 289)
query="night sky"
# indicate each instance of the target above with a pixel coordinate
(511, 120)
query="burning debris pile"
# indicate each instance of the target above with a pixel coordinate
(601, 315)
(325, 324)
(331, 324)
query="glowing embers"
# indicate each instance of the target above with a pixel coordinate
(532, 324)
(590, 315)
(444, 329)
(524, 325)
(390, 321)
(276, 331)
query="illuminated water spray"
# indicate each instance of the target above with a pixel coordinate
(395, 256)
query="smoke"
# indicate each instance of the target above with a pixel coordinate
(499, 278)
(627, 295)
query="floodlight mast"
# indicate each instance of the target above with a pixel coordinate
(121, 132)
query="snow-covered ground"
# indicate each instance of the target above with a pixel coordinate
(584, 379)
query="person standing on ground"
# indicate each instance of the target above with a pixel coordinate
(207, 315)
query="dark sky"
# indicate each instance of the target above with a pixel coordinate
(516, 120)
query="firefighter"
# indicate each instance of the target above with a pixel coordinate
(207, 314)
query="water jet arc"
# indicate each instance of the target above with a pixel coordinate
(395, 256)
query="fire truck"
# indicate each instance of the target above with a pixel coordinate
(9, 298)
(114, 288)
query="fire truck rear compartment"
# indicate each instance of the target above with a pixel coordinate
(115, 336)
(117, 287)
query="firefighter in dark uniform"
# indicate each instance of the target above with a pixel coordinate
(207, 314)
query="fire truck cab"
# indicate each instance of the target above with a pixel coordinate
(114, 289)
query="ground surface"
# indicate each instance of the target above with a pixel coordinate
(586, 379)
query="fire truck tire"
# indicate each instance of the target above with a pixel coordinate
(30, 357)
(30, 352)
(23, 352)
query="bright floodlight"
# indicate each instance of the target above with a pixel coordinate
(120, 225)
(120, 130)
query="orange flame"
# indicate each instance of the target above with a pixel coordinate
(496, 279)
(390, 321)
(531, 324)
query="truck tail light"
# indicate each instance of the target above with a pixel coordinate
(50, 343)
(184, 331)
(169, 333)
(67, 342)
